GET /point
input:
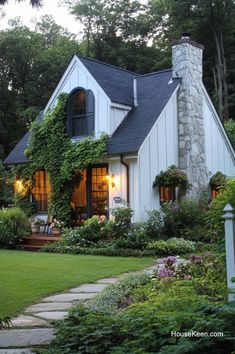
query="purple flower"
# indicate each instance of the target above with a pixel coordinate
(169, 261)
(195, 259)
(164, 273)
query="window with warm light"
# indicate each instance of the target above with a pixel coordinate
(167, 194)
(41, 190)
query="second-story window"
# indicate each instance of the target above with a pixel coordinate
(81, 113)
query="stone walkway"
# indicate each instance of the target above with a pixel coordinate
(33, 327)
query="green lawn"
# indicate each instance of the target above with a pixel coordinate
(25, 277)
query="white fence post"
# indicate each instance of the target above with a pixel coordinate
(230, 250)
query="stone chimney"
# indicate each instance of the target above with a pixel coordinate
(187, 65)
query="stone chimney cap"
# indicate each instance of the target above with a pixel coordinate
(185, 38)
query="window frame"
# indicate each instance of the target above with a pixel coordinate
(89, 113)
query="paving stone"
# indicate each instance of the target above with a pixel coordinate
(53, 315)
(89, 288)
(49, 306)
(27, 321)
(69, 297)
(15, 351)
(107, 280)
(25, 337)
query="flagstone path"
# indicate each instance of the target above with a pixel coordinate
(33, 327)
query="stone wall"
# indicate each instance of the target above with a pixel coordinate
(187, 64)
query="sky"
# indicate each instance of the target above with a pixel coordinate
(29, 15)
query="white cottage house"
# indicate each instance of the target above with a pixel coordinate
(155, 120)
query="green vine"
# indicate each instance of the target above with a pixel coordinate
(50, 149)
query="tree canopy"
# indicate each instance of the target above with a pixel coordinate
(123, 32)
(34, 3)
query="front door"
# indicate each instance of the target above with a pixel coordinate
(98, 190)
(91, 196)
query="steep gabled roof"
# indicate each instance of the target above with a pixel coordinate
(153, 92)
(116, 82)
(17, 154)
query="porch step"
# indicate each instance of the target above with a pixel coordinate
(36, 241)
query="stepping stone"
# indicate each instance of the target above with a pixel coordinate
(27, 321)
(25, 337)
(89, 288)
(69, 297)
(53, 315)
(107, 280)
(15, 351)
(49, 306)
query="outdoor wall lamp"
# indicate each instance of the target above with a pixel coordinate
(111, 180)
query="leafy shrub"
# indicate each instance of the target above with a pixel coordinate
(24, 204)
(145, 327)
(186, 219)
(104, 251)
(14, 226)
(214, 221)
(134, 238)
(207, 273)
(154, 226)
(172, 246)
(83, 236)
(114, 229)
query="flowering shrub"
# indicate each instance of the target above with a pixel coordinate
(38, 222)
(207, 273)
(57, 224)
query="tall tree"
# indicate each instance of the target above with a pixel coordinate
(211, 22)
(117, 32)
(31, 63)
(34, 3)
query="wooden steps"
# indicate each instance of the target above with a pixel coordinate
(36, 241)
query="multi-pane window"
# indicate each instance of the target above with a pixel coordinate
(79, 119)
(41, 191)
(81, 113)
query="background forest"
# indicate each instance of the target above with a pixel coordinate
(121, 32)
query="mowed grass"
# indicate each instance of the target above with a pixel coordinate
(26, 277)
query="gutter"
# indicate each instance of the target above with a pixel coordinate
(128, 179)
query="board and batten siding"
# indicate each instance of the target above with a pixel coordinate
(77, 75)
(158, 151)
(117, 114)
(219, 153)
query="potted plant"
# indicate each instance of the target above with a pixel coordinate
(35, 225)
(57, 226)
(217, 181)
(168, 180)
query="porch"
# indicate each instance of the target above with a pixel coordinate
(35, 242)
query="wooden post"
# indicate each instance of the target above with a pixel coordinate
(230, 250)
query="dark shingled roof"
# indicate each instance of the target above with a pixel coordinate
(17, 154)
(116, 82)
(153, 92)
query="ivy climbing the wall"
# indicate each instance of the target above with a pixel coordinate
(50, 149)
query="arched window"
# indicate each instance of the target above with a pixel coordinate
(81, 113)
